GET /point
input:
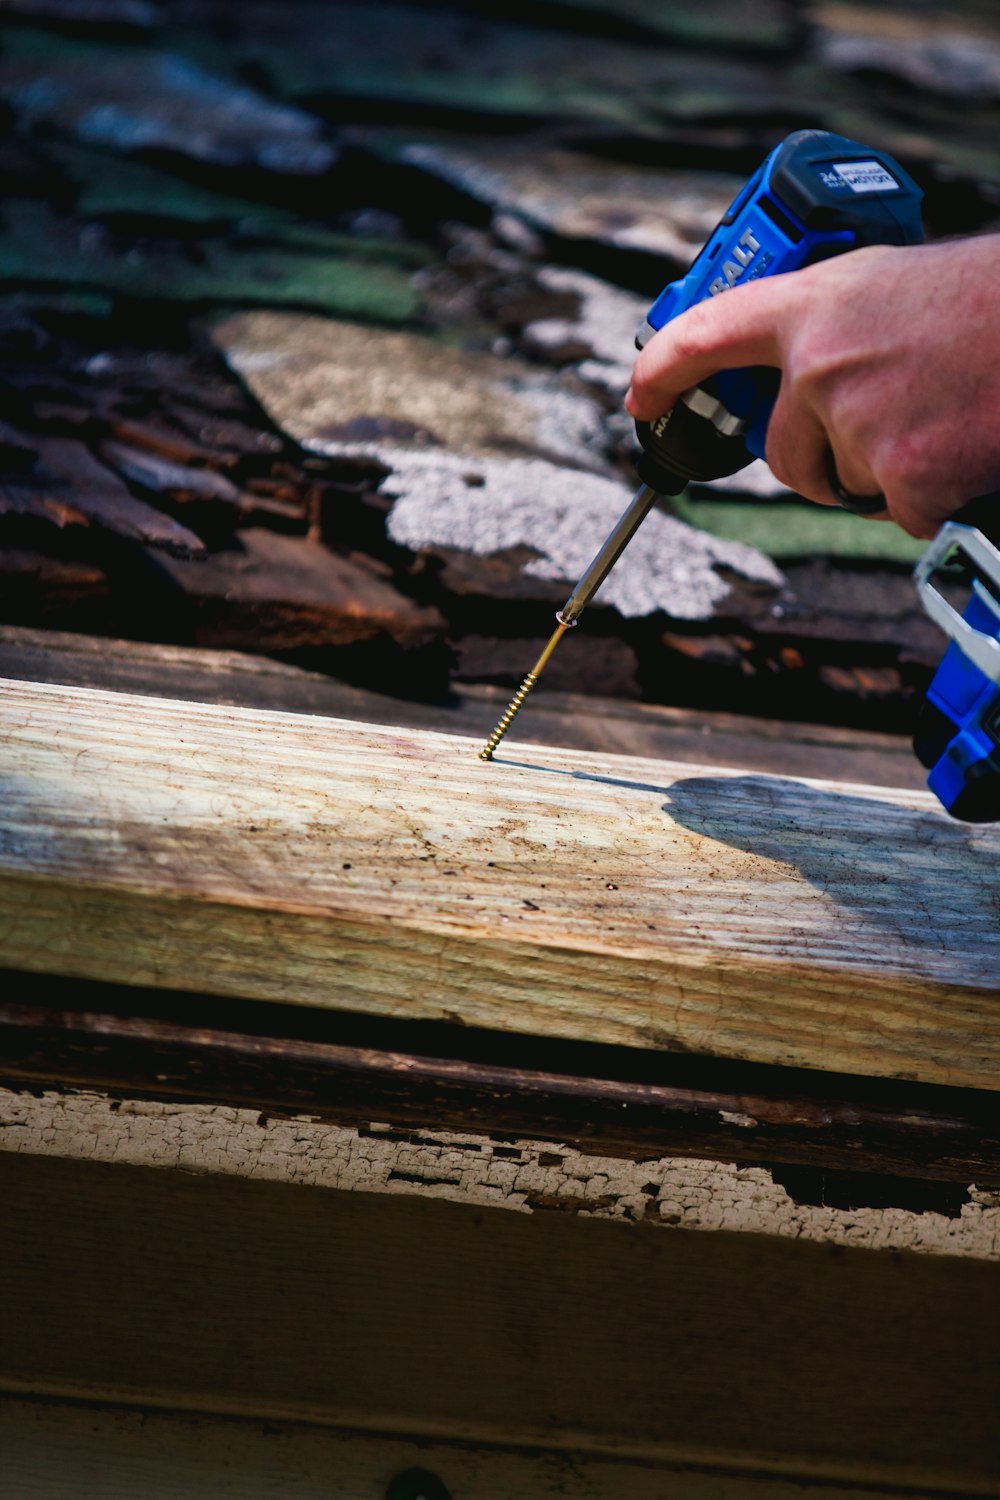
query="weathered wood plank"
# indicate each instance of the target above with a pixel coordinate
(384, 1313)
(203, 675)
(553, 892)
(943, 1135)
(91, 1452)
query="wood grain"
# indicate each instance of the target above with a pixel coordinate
(554, 892)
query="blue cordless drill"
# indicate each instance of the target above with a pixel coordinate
(815, 196)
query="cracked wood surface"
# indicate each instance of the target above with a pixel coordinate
(560, 893)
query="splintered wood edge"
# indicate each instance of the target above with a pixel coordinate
(129, 853)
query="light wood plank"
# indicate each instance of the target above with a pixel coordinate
(555, 892)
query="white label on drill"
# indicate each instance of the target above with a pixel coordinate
(866, 176)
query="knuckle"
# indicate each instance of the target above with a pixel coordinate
(689, 340)
(903, 462)
(782, 471)
(791, 460)
(780, 461)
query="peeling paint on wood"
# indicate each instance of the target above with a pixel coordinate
(561, 517)
(526, 1176)
(485, 457)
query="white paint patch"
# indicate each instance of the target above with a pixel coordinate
(606, 323)
(606, 320)
(490, 505)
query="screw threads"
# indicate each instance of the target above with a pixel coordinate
(486, 753)
(515, 703)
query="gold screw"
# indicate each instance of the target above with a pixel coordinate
(486, 753)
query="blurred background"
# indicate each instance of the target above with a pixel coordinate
(316, 319)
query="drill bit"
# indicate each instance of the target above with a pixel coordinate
(586, 588)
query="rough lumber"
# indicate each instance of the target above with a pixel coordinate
(924, 1136)
(554, 892)
(115, 1452)
(582, 723)
(287, 592)
(70, 487)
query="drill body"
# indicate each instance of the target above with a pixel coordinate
(815, 196)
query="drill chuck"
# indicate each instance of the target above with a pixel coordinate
(698, 439)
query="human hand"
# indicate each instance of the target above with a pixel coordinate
(889, 359)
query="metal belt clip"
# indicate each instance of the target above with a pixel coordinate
(982, 650)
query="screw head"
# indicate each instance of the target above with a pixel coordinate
(417, 1484)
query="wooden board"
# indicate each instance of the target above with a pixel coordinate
(605, 1102)
(554, 892)
(582, 723)
(99, 1452)
(389, 1313)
